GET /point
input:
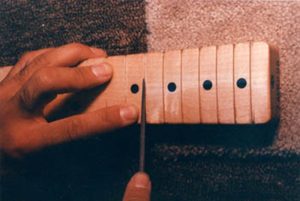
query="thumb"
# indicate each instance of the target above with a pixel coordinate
(138, 188)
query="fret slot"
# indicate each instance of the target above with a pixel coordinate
(227, 84)
(134, 76)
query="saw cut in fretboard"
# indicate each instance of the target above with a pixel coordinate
(227, 84)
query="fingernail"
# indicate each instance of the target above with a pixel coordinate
(141, 180)
(99, 52)
(102, 70)
(129, 113)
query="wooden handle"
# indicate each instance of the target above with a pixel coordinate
(228, 84)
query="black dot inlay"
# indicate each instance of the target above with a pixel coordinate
(134, 88)
(241, 83)
(171, 86)
(207, 84)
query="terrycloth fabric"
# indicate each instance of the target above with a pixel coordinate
(185, 163)
(190, 23)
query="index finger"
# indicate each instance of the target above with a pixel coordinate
(26, 59)
(67, 55)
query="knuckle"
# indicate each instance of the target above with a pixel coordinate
(77, 46)
(42, 77)
(26, 96)
(73, 128)
(38, 83)
(13, 145)
(41, 60)
(105, 116)
(110, 116)
(23, 73)
(81, 75)
(27, 55)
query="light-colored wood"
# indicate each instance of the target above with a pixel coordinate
(260, 82)
(225, 96)
(190, 102)
(172, 73)
(190, 86)
(208, 98)
(154, 87)
(134, 76)
(242, 95)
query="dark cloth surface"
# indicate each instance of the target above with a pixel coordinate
(94, 169)
(184, 162)
(116, 26)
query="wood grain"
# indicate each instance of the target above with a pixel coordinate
(225, 86)
(190, 86)
(172, 74)
(208, 98)
(260, 82)
(242, 95)
(115, 91)
(134, 76)
(224, 102)
(154, 87)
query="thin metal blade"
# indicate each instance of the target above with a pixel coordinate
(143, 128)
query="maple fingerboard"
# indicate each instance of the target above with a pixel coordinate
(227, 84)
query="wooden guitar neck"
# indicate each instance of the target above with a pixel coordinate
(227, 84)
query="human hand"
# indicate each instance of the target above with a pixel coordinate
(35, 81)
(138, 188)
